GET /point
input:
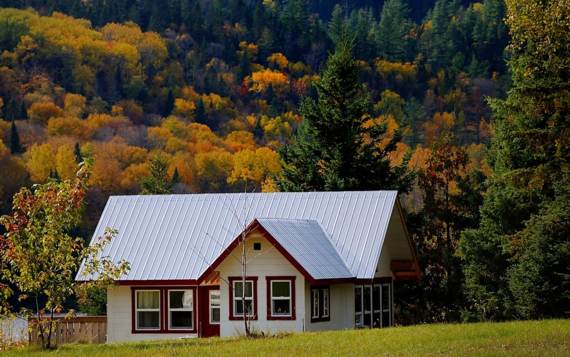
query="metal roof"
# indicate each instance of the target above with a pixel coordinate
(309, 245)
(176, 237)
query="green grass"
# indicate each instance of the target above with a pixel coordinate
(529, 338)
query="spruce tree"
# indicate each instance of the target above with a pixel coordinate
(333, 148)
(77, 153)
(393, 31)
(15, 146)
(200, 112)
(157, 182)
(516, 261)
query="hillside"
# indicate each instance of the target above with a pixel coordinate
(531, 338)
(214, 87)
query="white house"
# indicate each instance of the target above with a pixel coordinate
(314, 261)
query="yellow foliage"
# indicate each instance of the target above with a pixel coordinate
(279, 60)
(240, 140)
(184, 108)
(65, 162)
(441, 124)
(41, 112)
(400, 71)
(419, 158)
(254, 166)
(74, 105)
(67, 126)
(132, 175)
(212, 169)
(261, 80)
(40, 161)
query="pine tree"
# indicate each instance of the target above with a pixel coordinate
(516, 261)
(77, 153)
(157, 182)
(333, 148)
(169, 104)
(393, 33)
(175, 178)
(200, 113)
(337, 26)
(15, 146)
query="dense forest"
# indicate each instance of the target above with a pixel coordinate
(230, 95)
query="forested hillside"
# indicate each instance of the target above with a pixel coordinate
(212, 87)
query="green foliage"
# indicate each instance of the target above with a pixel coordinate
(513, 260)
(394, 32)
(157, 182)
(336, 147)
(41, 256)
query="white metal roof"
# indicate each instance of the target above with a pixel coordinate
(309, 245)
(176, 237)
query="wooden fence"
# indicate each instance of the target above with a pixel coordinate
(81, 329)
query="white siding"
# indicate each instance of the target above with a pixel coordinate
(119, 316)
(261, 264)
(396, 246)
(341, 308)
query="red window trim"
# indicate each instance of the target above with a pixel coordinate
(269, 279)
(231, 280)
(163, 309)
(320, 318)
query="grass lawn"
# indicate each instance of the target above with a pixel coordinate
(529, 338)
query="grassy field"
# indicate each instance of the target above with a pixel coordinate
(530, 338)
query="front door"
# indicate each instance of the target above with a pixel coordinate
(209, 315)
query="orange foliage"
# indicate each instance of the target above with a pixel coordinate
(263, 79)
(41, 112)
(440, 124)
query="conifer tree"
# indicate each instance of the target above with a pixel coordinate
(393, 31)
(157, 182)
(516, 261)
(334, 148)
(15, 146)
(77, 153)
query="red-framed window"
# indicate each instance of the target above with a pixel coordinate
(163, 309)
(280, 297)
(237, 301)
(320, 303)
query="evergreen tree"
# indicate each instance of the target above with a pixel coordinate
(15, 146)
(175, 178)
(157, 182)
(393, 33)
(516, 261)
(169, 104)
(77, 153)
(333, 148)
(337, 26)
(200, 113)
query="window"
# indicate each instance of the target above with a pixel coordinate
(214, 307)
(373, 305)
(320, 304)
(241, 298)
(180, 309)
(315, 310)
(256, 246)
(147, 314)
(280, 297)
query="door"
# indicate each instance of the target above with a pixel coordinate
(209, 315)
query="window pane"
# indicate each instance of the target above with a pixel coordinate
(376, 297)
(367, 297)
(280, 289)
(248, 289)
(358, 319)
(385, 319)
(367, 320)
(181, 299)
(376, 320)
(215, 314)
(181, 319)
(385, 296)
(238, 288)
(358, 299)
(325, 302)
(148, 299)
(238, 307)
(315, 305)
(281, 307)
(214, 298)
(148, 319)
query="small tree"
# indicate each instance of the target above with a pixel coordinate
(40, 256)
(158, 181)
(15, 145)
